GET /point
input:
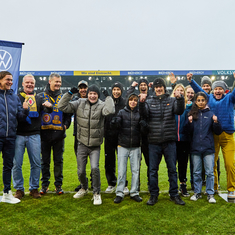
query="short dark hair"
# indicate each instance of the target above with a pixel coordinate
(4, 74)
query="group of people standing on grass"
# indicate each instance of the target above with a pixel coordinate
(192, 122)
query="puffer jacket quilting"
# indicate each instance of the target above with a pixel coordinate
(11, 112)
(159, 111)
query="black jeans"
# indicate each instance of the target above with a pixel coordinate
(110, 148)
(182, 152)
(7, 147)
(58, 149)
(145, 151)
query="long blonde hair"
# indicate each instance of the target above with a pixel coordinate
(176, 87)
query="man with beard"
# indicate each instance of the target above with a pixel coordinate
(159, 111)
(143, 85)
(111, 139)
(53, 128)
(28, 136)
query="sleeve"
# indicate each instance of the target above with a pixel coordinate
(116, 121)
(144, 110)
(178, 106)
(66, 105)
(130, 91)
(42, 107)
(232, 96)
(197, 88)
(109, 107)
(67, 119)
(217, 128)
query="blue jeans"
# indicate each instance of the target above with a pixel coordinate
(82, 155)
(209, 171)
(33, 145)
(7, 147)
(135, 155)
(155, 157)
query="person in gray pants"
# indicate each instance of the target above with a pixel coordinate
(90, 113)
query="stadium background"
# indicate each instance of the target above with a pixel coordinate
(105, 79)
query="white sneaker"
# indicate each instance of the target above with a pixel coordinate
(82, 192)
(126, 191)
(231, 194)
(9, 198)
(97, 199)
(110, 189)
(195, 196)
(211, 199)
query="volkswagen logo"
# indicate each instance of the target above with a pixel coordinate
(5, 60)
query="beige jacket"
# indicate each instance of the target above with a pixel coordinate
(90, 118)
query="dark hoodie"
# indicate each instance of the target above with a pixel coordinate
(108, 132)
(51, 135)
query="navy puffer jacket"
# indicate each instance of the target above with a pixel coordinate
(159, 111)
(11, 111)
(202, 131)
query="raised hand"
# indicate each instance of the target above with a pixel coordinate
(189, 76)
(215, 118)
(47, 104)
(142, 97)
(173, 78)
(190, 119)
(150, 84)
(25, 104)
(134, 84)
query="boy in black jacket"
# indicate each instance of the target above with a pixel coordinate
(129, 122)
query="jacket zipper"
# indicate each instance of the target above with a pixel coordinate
(89, 126)
(131, 129)
(6, 113)
(178, 128)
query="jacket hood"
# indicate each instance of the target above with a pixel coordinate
(127, 102)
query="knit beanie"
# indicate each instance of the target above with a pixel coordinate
(219, 84)
(94, 88)
(119, 85)
(206, 80)
(159, 82)
(143, 80)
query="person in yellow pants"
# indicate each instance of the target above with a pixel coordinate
(222, 105)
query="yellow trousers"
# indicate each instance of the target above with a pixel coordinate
(226, 142)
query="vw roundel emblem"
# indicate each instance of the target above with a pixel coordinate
(5, 60)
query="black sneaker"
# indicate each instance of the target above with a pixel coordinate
(177, 200)
(137, 198)
(184, 191)
(118, 199)
(44, 190)
(152, 200)
(59, 190)
(78, 188)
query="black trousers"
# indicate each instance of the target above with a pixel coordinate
(145, 152)
(58, 149)
(182, 152)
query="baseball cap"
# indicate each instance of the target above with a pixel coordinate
(82, 82)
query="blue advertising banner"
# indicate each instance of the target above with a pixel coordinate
(165, 72)
(47, 73)
(10, 55)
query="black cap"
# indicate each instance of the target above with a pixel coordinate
(119, 85)
(143, 80)
(159, 82)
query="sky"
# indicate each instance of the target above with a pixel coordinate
(121, 35)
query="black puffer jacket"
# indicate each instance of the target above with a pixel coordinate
(159, 112)
(128, 123)
(109, 133)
